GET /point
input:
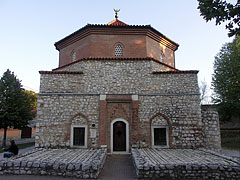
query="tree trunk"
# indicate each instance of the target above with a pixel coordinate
(4, 137)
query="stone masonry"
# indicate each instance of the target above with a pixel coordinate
(77, 163)
(67, 98)
(184, 164)
(117, 87)
(211, 127)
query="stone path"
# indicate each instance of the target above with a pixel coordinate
(118, 167)
(21, 151)
(19, 141)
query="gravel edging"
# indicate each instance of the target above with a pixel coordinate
(220, 155)
(146, 169)
(89, 166)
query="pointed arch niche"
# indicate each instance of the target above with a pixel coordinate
(79, 131)
(161, 131)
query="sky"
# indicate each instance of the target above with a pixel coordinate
(29, 29)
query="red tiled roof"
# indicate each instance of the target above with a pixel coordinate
(117, 22)
(173, 71)
(116, 58)
(59, 72)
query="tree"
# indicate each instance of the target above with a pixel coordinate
(32, 98)
(226, 80)
(203, 88)
(15, 107)
(222, 11)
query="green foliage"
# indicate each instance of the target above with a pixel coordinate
(229, 139)
(15, 104)
(222, 12)
(226, 79)
(32, 98)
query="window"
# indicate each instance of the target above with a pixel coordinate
(73, 56)
(160, 136)
(161, 57)
(118, 50)
(79, 136)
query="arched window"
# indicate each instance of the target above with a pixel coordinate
(73, 56)
(118, 50)
(79, 131)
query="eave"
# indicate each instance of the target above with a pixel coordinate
(89, 29)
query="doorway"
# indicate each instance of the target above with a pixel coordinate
(119, 136)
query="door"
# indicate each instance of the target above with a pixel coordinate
(119, 136)
(26, 132)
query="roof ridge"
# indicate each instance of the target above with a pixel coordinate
(60, 72)
(117, 22)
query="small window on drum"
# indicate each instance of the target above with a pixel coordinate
(73, 56)
(161, 57)
(160, 136)
(118, 50)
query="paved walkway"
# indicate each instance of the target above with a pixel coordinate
(19, 141)
(31, 177)
(21, 151)
(118, 167)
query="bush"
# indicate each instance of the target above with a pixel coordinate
(230, 139)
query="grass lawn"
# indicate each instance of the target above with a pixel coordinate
(230, 139)
(21, 146)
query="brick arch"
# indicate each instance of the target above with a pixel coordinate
(69, 123)
(78, 114)
(169, 125)
(117, 110)
(120, 43)
(162, 115)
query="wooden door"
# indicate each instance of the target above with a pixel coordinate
(119, 136)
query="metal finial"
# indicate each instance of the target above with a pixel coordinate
(116, 12)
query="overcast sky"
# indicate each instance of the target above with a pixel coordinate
(29, 29)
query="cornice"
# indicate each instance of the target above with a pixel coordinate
(146, 30)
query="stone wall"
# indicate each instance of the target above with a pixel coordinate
(56, 114)
(211, 128)
(184, 119)
(172, 95)
(119, 77)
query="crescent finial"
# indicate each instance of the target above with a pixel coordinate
(116, 12)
